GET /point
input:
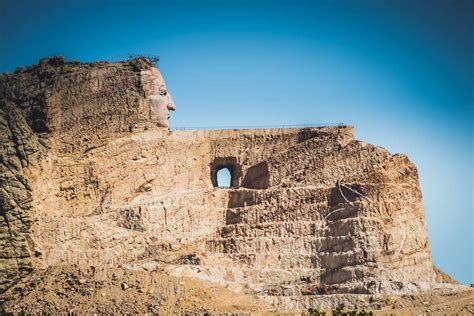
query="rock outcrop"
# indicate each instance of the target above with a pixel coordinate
(19, 149)
(92, 176)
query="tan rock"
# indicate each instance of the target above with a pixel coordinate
(90, 177)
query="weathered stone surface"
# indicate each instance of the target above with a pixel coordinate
(68, 108)
(79, 106)
(19, 148)
(92, 176)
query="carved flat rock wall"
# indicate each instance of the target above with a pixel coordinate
(87, 178)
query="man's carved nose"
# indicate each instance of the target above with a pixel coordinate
(171, 106)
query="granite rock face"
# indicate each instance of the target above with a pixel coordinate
(19, 149)
(90, 175)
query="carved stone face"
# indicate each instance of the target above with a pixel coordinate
(160, 101)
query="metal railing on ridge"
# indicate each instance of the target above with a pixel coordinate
(309, 125)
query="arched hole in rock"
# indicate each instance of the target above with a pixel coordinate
(234, 172)
(223, 178)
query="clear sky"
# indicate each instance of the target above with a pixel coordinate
(400, 71)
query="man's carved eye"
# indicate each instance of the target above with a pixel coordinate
(163, 92)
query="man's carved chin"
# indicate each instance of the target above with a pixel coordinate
(163, 123)
(161, 113)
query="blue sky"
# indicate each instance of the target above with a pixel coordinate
(400, 71)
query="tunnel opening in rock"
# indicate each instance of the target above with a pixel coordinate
(225, 172)
(223, 178)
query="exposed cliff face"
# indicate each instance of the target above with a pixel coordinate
(19, 148)
(89, 178)
(67, 108)
(77, 106)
